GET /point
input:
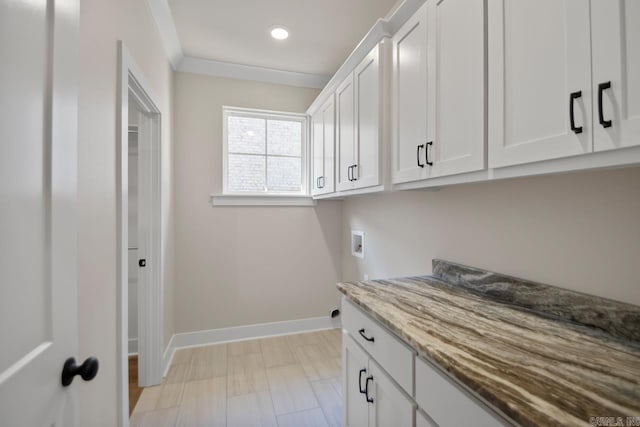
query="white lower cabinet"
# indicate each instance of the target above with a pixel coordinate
(371, 398)
(377, 393)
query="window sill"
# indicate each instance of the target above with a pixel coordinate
(260, 200)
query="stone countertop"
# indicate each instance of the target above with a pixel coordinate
(538, 368)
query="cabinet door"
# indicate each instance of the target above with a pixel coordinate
(424, 421)
(409, 100)
(368, 103)
(345, 134)
(539, 55)
(328, 120)
(323, 149)
(390, 406)
(355, 366)
(456, 82)
(616, 60)
(317, 141)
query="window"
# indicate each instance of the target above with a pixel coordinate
(264, 152)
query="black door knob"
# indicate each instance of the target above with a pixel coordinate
(87, 371)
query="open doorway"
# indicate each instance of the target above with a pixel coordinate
(140, 287)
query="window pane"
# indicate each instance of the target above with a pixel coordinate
(284, 138)
(246, 135)
(246, 173)
(284, 174)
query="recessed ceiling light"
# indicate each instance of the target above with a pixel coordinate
(279, 33)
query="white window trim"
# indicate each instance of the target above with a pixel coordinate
(227, 198)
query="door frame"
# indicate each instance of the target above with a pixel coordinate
(150, 291)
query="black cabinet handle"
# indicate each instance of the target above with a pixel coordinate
(370, 339)
(366, 389)
(349, 173)
(318, 182)
(362, 371)
(322, 180)
(355, 178)
(572, 119)
(426, 153)
(87, 371)
(601, 88)
(418, 155)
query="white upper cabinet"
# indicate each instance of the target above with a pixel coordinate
(368, 113)
(615, 37)
(539, 80)
(345, 134)
(456, 82)
(359, 124)
(438, 101)
(323, 137)
(409, 100)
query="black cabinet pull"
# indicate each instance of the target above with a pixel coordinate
(572, 119)
(322, 180)
(349, 173)
(362, 371)
(370, 339)
(418, 155)
(601, 88)
(426, 153)
(87, 371)
(318, 182)
(366, 389)
(355, 178)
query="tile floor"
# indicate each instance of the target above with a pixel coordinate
(292, 380)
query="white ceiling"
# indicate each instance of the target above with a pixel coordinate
(322, 33)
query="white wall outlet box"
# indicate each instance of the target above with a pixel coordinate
(357, 243)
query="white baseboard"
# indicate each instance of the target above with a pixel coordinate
(248, 332)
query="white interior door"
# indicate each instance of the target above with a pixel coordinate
(409, 98)
(38, 163)
(616, 73)
(458, 74)
(368, 103)
(539, 66)
(345, 134)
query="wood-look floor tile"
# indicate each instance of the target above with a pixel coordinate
(290, 389)
(308, 338)
(312, 418)
(244, 347)
(158, 418)
(333, 339)
(330, 400)
(276, 352)
(182, 356)
(318, 362)
(246, 374)
(254, 409)
(204, 403)
(208, 362)
(148, 400)
(170, 395)
(177, 373)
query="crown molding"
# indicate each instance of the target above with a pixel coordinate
(167, 28)
(250, 72)
(161, 13)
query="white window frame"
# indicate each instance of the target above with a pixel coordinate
(264, 198)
